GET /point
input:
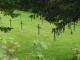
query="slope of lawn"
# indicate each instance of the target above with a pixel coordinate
(61, 49)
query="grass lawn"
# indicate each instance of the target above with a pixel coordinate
(61, 49)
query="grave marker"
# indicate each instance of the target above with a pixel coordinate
(10, 22)
(0, 22)
(34, 16)
(21, 25)
(54, 30)
(39, 29)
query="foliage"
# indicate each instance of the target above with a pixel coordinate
(9, 48)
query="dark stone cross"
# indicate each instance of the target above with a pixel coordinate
(34, 16)
(54, 30)
(38, 28)
(10, 22)
(0, 21)
(21, 25)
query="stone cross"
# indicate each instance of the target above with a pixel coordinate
(0, 21)
(54, 30)
(38, 28)
(21, 25)
(10, 22)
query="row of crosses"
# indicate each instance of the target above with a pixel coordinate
(38, 27)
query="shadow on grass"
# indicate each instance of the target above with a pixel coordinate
(5, 29)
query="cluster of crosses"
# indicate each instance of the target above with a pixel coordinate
(60, 26)
(8, 29)
(56, 30)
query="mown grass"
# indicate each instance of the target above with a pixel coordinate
(61, 49)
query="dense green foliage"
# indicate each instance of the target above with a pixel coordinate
(48, 8)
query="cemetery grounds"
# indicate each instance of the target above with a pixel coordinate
(60, 49)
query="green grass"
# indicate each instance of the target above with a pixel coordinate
(61, 49)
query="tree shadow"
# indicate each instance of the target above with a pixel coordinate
(5, 29)
(11, 13)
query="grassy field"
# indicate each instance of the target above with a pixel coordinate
(61, 49)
